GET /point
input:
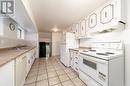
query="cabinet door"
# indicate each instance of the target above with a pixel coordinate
(73, 28)
(29, 62)
(77, 31)
(21, 70)
(63, 54)
(83, 28)
(92, 20)
(7, 76)
(107, 14)
(71, 58)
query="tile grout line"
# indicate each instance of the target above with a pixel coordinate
(57, 75)
(50, 61)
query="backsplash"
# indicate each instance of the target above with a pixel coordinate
(98, 40)
(9, 38)
(7, 43)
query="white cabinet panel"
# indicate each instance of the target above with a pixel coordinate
(74, 60)
(77, 31)
(107, 14)
(83, 28)
(92, 21)
(7, 77)
(71, 58)
(29, 63)
(21, 71)
(63, 55)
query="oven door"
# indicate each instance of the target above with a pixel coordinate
(94, 67)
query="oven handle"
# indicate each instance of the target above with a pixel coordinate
(94, 60)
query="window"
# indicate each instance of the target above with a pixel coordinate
(20, 33)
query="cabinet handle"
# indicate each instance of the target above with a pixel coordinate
(28, 61)
(105, 14)
(91, 20)
(76, 62)
(76, 57)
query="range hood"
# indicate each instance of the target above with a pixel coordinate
(110, 28)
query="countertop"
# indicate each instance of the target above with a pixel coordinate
(11, 54)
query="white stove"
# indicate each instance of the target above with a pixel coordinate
(105, 54)
(102, 66)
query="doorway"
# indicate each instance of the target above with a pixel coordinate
(44, 49)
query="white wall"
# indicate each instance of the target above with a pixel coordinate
(6, 32)
(56, 39)
(9, 38)
(1, 26)
(45, 36)
(127, 46)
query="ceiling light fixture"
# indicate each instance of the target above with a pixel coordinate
(55, 29)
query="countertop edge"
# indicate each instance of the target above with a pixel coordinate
(15, 57)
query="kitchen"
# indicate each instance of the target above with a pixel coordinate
(45, 47)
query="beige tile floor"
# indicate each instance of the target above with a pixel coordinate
(51, 72)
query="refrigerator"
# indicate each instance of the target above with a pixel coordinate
(68, 41)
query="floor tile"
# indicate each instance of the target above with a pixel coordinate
(34, 73)
(42, 72)
(42, 83)
(41, 77)
(60, 72)
(68, 70)
(33, 84)
(77, 82)
(67, 83)
(57, 84)
(63, 78)
(30, 80)
(52, 74)
(53, 81)
(51, 70)
(72, 75)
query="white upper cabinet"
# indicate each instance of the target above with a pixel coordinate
(110, 15)
(107, 14)
(92, 20)
(77, 31)
(83, 28)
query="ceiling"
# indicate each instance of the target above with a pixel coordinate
(61, 13)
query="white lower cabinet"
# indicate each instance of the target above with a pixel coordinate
(29, 62)
(15, 72)
(7, 74)
(74, 60)
(21, 72)
(30, 59)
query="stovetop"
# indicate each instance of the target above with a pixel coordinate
(105, 54)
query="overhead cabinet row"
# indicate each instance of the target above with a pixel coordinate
(110, 15)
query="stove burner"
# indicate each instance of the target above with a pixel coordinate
(102, 54)
(85, 51)
(92, 50)
(109, 53)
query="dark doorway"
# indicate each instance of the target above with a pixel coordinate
(42, 49)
